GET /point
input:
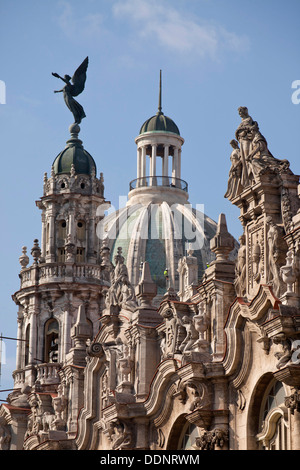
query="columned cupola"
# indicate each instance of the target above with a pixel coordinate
(158, 224)
(159, 157)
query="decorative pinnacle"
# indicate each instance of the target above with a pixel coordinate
(159, 95)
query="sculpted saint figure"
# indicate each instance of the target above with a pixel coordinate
(244, 136)
(121, 293)
(74, 89)
(235, 171)
(261, 158)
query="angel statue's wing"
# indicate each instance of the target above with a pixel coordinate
(79, 78)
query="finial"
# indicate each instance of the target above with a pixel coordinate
(159, 95)
(24, 260)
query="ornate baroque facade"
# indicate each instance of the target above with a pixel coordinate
(212, 363)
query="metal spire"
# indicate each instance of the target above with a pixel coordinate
(159, 96)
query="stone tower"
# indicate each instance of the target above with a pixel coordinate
(66, 273)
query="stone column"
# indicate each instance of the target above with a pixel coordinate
(19, 344)
(43, 237)
(153, 166)
(295, 430)
(143, 163)
(32, 339)
(165, 165)
(139, 163)
(175, 165)
(91, 241)
(51, 240)
(179, 164)
(71, 226)
(67, 333)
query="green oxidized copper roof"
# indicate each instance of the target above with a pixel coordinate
(159, 123)
(74, 154)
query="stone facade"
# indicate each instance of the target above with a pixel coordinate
(214, 366)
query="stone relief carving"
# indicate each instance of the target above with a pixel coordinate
(256, 255)
(284, 350)
(125, 363)
(47, 414)
(196, 393)
(293, 402)
(121, 293)
(5, 435)
(276, 252)
(121, 435)
(240, 270)
(210, 440)
(288, 272)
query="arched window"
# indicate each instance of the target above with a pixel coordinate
(188, 437)
(62, 229)
(51, 340)
(80, 230)
(274, 433)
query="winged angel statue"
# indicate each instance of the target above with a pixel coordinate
(74, 89)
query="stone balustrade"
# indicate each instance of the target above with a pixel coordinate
(59, 272)
(48, 373)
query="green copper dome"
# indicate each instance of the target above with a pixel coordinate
(159, 123)
(74, 154)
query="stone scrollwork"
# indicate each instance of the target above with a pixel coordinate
(195, 393)
(95, 349)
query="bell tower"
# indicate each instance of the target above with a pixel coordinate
(66, 271)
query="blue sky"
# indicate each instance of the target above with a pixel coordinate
(215, 56)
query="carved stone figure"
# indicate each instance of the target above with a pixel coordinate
(284, 353)
(288, 272)
(260, 159)
(192, 335)
(240, 281)
(274, 238)
(121, 293)
(244, 135)
(5, 436)
(235, 172)
(74, 89)
(209, 440)
(120, 435)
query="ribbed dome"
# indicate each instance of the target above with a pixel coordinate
(74, 154)
(77, 156)
(159, 234)
(159, 123)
